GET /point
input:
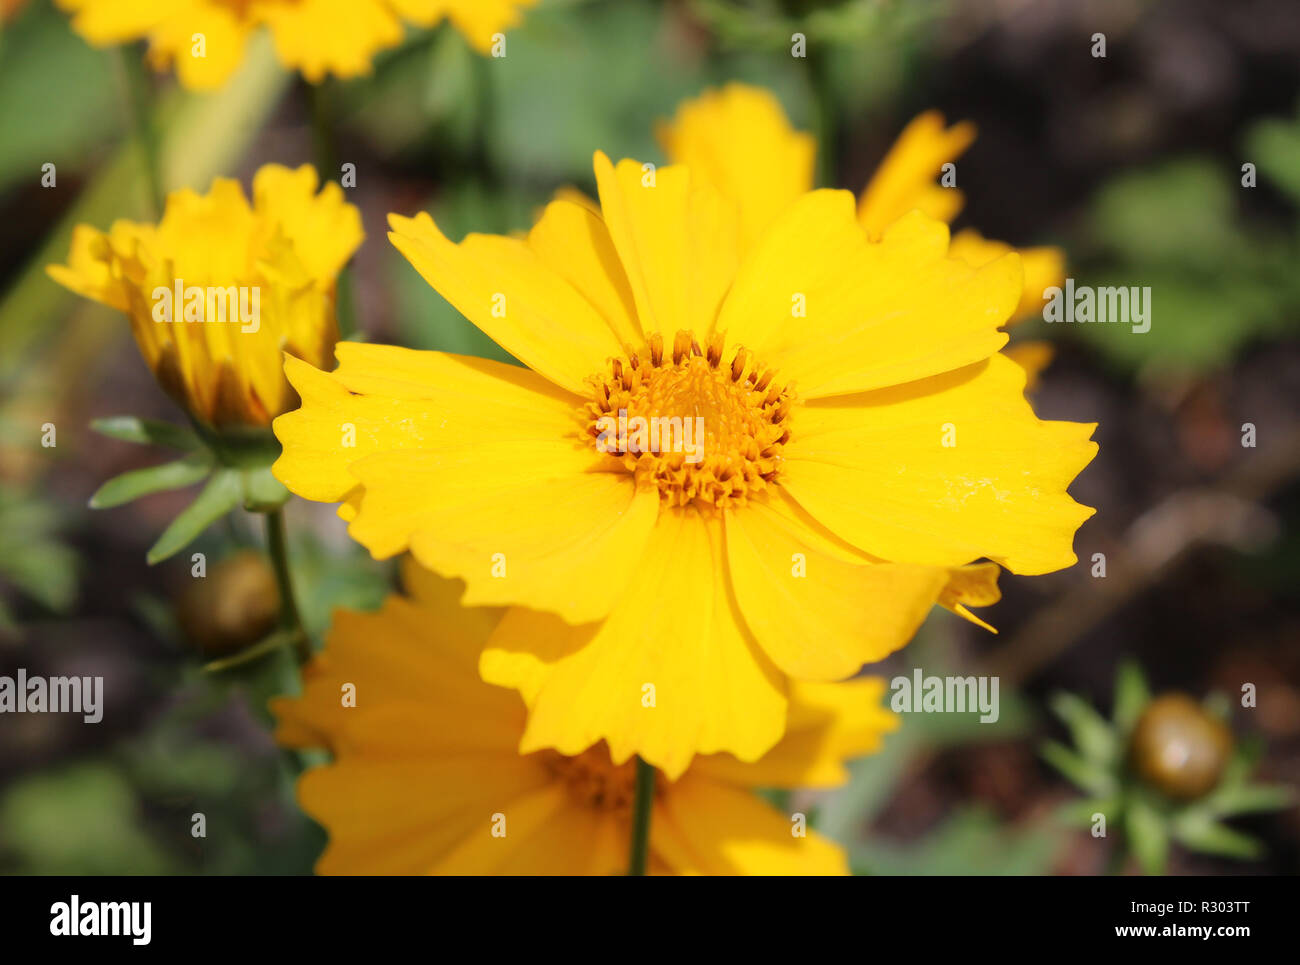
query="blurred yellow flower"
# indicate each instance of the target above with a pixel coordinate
(725, 465)
(219, 289)
(739, 137)
(205, 38)
(427, 777)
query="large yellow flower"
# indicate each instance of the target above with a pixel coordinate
(860, 438)
(427, 777)
(219, 289)
(205, 38)
(740, 138)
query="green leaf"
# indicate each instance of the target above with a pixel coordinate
(1080, 813)
(61, 103)
(1089, 775)
(1179, 212)
(1200, 833)
(1274, 146)
(1248, 799)
(1148, 838)
(971, 842)
(148, 432)
(130, 486)
(84, 819)
(222, 494)
(1131, 696)
(1092, 735)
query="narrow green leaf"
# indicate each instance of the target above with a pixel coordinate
(141, 482)
(1210, 837)
(1249, 798)
(1148, 838)
(1087, 774)
(1092, 734)
(1131, 696)
(1274, 144)
(1080, 812)
(222, 494)
(128, 428)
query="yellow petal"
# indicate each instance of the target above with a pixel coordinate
(875, 470)
(973, 585)
(850, 613)
(671, 671)
(702, 826)
(905, 179)
(510, 292)
(205, 41)
(425, 668)
(338, 37)
(521, 524)
(383, 398)
(677, 238)
(479, 20)
(89, 270)
(1044, 267)
(739, 138)
(573, 241)
(105, 22)
(836, 314)
(414, 816)
(327, 229)
(1033, 356)
(828, 724)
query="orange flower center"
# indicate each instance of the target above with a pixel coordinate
(702, 431)
(594, 780)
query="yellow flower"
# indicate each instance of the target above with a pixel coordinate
(426, 765)
(205, 38)
(855, 436)
(218, 290)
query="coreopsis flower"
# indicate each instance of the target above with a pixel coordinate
(726, 463)
(205, 39)
(740, 138)
(219, 289)
(427, 777)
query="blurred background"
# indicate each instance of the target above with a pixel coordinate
(1131, 163)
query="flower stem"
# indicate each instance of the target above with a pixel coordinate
(324, 147)
(135, 81)
(641, 807)
(290, 620)
(823, 88)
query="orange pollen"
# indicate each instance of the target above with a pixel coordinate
(704, 432)
(594, 780)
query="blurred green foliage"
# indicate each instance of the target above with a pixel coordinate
(1218, 280)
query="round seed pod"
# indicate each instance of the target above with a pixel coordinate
(1178, 748)
(231, 608)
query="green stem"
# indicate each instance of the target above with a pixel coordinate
(290, 620)
(324, 142)
(639, 854)
(135, 80)
(819, 79)
(322, 128)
